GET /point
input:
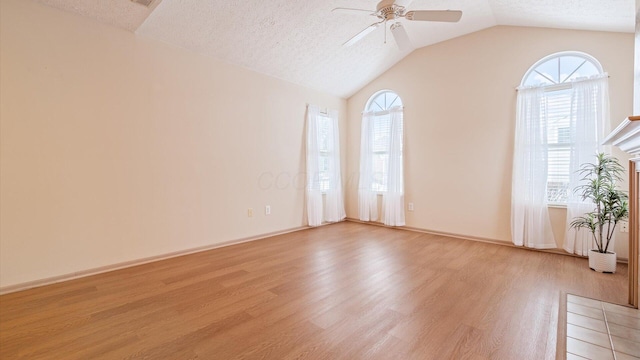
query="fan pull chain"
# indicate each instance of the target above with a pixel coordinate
(385, 31)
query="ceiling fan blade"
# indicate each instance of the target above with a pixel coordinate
(434, 15)
(351, 10)
(359, 36)
(401, 37)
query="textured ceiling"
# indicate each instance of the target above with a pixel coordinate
(300, 40)
(607, 15)
(121, 13)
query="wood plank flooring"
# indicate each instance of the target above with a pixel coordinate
(344, 291)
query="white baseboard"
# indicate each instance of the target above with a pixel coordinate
(99, 270)
(126, 264)
(476, 238)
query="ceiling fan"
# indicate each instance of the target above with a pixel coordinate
(388, 10)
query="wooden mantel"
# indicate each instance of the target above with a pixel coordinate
(627, 138)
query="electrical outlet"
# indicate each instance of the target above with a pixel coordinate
(267, 210)
(410, 206)
(250, 212)
(624, 227)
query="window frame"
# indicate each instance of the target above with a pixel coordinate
(566, 83)
(384, 111)
(558, 87)
(324, 155)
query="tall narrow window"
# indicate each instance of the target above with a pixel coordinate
(323, 167)
(556, 74)
(381, 160)
(561, 118)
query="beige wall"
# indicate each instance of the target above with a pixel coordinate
(459, 99)
(116, 148)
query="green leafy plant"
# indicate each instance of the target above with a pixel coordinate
(611, 205)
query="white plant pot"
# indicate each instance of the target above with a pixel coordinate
(601, 262)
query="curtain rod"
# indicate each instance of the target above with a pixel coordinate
(383, 112)
(562, 85)
(323, 112)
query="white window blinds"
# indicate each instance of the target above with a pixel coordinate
(325, 147)
(380, 134)
(555, 116)
(381, 160)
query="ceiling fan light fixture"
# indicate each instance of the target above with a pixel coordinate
(390, 12)
(400, 36)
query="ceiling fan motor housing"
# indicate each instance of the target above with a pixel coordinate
(388, 10)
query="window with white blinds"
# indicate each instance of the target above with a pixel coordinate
(380, 129)
(555, 73)
(556, 113)
(325, 147)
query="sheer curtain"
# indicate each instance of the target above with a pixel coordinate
(384, 129)
(323, 168)
(393, 198)
(334, 200)
(367, 198)
(313, 190)
(530, 224)
(589, 121)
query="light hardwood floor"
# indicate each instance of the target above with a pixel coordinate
(344, 291)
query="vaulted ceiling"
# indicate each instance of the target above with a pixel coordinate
(300, 41)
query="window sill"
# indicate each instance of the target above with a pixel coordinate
(557, 206)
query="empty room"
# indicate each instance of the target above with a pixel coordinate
(342, 179)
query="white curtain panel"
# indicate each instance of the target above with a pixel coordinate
(334, 200)
(530, 224)
(393, 198)
(313, 191)
(367, 198)
(589, 119)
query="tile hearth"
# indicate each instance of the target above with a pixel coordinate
(599, 330)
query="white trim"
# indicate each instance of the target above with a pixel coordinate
(637, 161)
(557, 251)
(626, 136)
(123, 265)
(564, 86)
(384, 112)
(557, 205)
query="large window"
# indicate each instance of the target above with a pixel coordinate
(379, 106)
(555, 73)
(381, 160)
(323, 167)
(325, 150)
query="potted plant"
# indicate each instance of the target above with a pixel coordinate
(610, 207)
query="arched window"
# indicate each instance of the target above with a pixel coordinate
(379, 106)
(561, 68)
(381, 167)
(556, 73)
(383, 101)
(561, 119)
